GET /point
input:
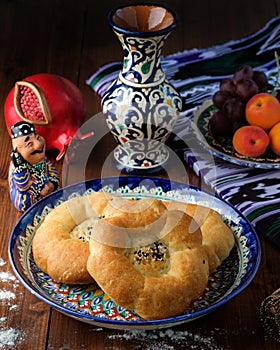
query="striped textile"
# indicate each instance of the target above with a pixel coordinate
(196, 74)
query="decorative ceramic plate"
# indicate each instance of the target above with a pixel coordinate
(88, 303)
(222, 147)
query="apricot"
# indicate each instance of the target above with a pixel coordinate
(274, 135)
(263, 109)
(250, 141)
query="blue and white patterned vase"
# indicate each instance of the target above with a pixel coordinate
(141, 106)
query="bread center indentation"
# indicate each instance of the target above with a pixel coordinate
(150, 260)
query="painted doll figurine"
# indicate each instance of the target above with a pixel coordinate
(31, 175)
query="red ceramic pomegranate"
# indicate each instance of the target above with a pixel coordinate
(52, 103)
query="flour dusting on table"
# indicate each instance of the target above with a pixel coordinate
(169, 339)
(9, 337)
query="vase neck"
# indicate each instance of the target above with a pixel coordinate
(141, 61)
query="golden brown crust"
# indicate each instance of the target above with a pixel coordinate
(63, 256)
(218, 238)
(134, 213)
(171, 294)
(146, 279)
(73, 254)
(55, 251)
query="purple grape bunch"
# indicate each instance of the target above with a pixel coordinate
(231, 99)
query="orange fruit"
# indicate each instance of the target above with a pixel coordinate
(274, 136)
(263, 110)
(250, 140)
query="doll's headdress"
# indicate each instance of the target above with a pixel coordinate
(22, 129)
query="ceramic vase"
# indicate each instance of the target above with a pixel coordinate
(141, 106)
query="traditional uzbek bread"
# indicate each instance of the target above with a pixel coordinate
(142, 253)
(157, 273)
(147, 266)
(217, 237)
(57, 247)
(60, 245)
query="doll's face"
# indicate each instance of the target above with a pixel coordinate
(31, 147)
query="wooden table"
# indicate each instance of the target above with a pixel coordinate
(72, 39)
